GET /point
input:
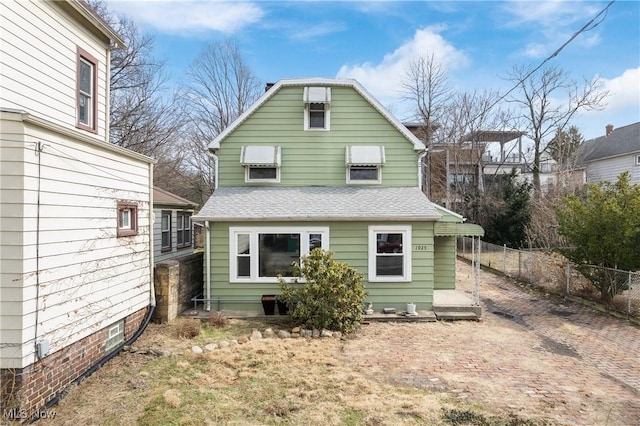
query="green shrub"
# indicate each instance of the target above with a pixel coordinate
(325, 293)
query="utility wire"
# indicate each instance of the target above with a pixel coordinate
(587, 27)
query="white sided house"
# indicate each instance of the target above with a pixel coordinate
(606, 157)
(76, 258)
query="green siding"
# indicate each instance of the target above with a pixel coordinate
(445, 263)
(349, 242)
(318, 157)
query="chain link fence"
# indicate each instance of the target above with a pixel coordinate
(554, 274)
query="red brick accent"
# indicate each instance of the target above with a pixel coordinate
(25, 390)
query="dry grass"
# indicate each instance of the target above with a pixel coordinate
(265, 382)
(217, 319)
(187, 328)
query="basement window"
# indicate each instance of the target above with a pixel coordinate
(115, 335)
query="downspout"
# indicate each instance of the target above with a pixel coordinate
(152, 291)
(420, 170)
(215, 169)
(207, 260)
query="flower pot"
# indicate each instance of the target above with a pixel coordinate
(269, 304)
(283, 308)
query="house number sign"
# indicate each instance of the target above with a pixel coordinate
(420, 247)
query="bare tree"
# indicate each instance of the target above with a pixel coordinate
(539, 112)
(425, 85)
(144, 116)
(219, 87)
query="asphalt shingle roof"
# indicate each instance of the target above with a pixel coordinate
(623, 140)
(318, 203)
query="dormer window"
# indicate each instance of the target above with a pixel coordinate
(261, 163)
(364, 164)
(317, 101)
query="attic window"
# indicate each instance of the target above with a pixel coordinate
(317, 102)
(364, 164)
(261, 163)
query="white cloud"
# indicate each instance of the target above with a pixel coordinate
(384, 79)
(551, 23)
(624, 90)
(187, 17)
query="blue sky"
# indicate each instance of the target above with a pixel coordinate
(478, 42)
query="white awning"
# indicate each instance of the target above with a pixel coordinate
(260, 156)
(364, 156)
(321, 95)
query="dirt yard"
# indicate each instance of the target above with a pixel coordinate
(532, 360)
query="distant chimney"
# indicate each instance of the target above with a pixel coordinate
(609, 129)
(268, 86)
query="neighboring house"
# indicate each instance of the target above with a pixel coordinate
(606, 157)
(76, 257)
(172, 231)
(321, 163)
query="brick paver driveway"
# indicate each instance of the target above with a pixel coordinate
(532, 355)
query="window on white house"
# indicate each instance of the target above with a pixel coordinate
(390, 253)
(165, 230)
(317, 108)
(264, 254)
(115, 335)
(261, 163)
(637, 160)
(183, 229)
(127, 219)
(364, 164)
(86, 91)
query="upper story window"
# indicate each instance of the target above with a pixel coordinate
(127, 219)
(317, 111)
(637, 160)
(364, 164)
(183, 229)
(261, 163)
(165, 230)
(390, 253)
(86, 91)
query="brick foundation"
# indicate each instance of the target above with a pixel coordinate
(25, 390)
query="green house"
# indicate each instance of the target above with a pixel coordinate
(321, 163)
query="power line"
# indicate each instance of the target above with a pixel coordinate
(586, 27)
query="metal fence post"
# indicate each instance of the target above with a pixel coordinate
(567, 270)
(504, 259)
(629, 295)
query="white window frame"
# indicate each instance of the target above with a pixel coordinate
(254, 242)
(365, 181)
(165, 230)
(405, 230)
(248, 179)
(183, 229)
(638, 160)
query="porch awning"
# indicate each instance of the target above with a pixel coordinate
(260, 156)
(446, 229)
(364, 155)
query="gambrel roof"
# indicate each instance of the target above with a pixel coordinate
(418, 145)
(318, 203)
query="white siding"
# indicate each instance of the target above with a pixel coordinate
(610, 168)
(58, 217)
(38, 47)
